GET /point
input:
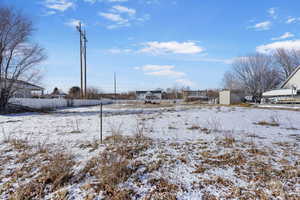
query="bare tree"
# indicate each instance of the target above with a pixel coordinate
(254, 74)
(230, 81)
(286, 61)
(18, 55)
(74, 92)
(92, 93)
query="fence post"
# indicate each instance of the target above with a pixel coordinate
(101, 122)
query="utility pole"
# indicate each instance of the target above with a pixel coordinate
(115, 86)
(83, 41)
(81, 78)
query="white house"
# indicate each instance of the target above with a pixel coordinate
(23, 89)
(288, 91)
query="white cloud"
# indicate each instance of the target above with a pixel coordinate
(119, 51)
(144, 18)
(266, 25)
(122, 16)
(123, 9)
(284, 36)
(172, 47)
(289, 44)
(160, 70)
(155, 67)
(272, 12)
(74, 23)
(291, 20)
(110, 1)
(51, 12)
(215, 60)
(117, 0)
(166, 72)
(150, 1)
(119, 21)
(90, 1)
(59, 5)
(113, 17)
(185, 82)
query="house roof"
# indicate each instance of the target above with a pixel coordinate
(281, 92)
(34, 87)
(290, 76)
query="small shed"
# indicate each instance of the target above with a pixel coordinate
(227, 97)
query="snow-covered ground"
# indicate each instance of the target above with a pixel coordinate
(200, 152)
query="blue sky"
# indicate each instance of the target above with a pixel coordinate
(157, 43)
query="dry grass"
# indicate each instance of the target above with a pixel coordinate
(163, 190)
(235, 158)
(116, 164)
(126, 162)
(228, 140)
(265, 123)
(92, 145)
(214, 124)
(172, 127)
(53, 174)
(274, 121)
(196, 127)
(48, 170)
(18, 144)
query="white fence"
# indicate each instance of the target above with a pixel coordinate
(56, 103)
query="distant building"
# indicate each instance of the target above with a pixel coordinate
(22, 89)
(228, 97)
(194, 95)
(149, 95)
(57, 94)
(202, 96)
(288, 91)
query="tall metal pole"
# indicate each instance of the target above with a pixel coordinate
(115, 86)
(101, 122)
(81, 70)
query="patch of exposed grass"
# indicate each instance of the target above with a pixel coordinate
(53, 174)
(116, 165)
(265, 123)
(162, 190)
(194, 127)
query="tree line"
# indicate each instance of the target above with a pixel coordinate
(257, 73)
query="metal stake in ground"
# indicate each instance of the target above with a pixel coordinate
(101, 105)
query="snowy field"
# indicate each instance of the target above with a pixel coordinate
(176, 152)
